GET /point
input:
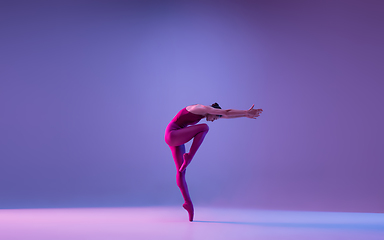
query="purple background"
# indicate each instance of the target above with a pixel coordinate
(87, 89)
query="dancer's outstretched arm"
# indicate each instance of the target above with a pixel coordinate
(226, 113)
(250, 113)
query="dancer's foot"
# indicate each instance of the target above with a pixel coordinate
(187, 161)
(189, 208)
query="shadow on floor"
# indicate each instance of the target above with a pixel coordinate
(347, 226)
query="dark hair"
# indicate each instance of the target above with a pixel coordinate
(216, 105)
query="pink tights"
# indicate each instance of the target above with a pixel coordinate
(176, 137)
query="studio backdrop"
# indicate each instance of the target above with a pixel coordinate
(87, 89)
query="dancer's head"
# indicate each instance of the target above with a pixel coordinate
(211, 117)
(216, 105)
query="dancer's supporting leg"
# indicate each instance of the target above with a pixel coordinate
(177, 153)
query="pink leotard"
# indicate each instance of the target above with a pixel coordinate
(184, 118)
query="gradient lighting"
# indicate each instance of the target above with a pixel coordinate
(169, 223)
(87, 89)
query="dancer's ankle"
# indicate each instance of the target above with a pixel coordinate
(188, 203)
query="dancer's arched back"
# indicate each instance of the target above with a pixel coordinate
(183, 128)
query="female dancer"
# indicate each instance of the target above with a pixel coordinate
(178, 133)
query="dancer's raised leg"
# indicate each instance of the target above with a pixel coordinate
(198, 133)
(177, 153)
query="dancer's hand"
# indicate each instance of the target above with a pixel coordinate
(253, 113)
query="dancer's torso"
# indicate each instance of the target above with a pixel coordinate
(184, 118)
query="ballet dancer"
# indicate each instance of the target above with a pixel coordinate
(183, 128)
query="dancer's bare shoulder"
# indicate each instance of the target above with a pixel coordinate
(197, 109)
(203, 110)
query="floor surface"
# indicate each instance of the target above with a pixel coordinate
(172, 223)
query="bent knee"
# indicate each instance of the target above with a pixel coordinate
(204, 127)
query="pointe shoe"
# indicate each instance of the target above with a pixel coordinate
(190, 210)
(186, 162)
